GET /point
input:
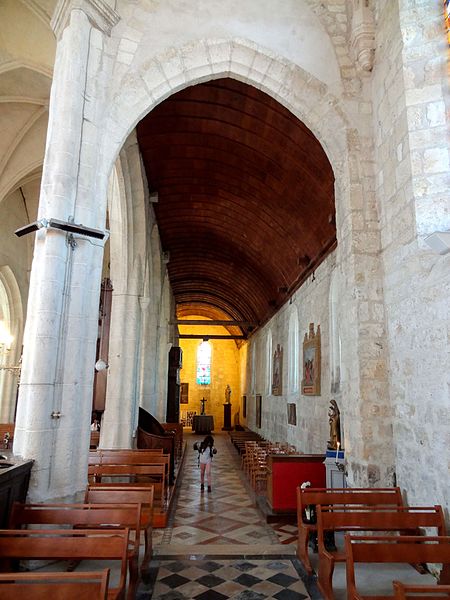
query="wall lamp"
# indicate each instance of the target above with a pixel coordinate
(63, 226)
(439, 241)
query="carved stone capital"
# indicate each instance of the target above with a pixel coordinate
(99, 13)
(362, 36)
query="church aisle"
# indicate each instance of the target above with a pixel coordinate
(217, 544)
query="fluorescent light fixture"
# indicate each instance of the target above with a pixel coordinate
(74, 228)
(62, 226)
(31, 227)
(439, 241)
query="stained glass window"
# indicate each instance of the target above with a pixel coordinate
(204, 363)
(447, 18)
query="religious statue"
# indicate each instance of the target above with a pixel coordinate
(228, 395)
(335, 426)
(203, 400)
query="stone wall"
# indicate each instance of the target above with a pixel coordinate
(410, 91)
(310, 435)
(225, 370)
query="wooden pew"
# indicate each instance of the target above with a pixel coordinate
(143, 495)
(132, 457)
(403, 591)
(55, 586)
(325, 496)
(64, 544)
(86, 516)
(154, 474)
(368, 518)
(395, 549)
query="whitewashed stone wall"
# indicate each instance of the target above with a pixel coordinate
(410, 94)
(311, 433)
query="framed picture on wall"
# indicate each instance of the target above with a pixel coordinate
(292, 413)
(184, 393)
(258, 411)
(244, 407)
(311, 362)
(277, 373)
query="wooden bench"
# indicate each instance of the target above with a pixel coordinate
(325, 496)
(368, 518)
(153, 474)
(63, 544)
(143, 495)
(395, 549)
(56, 586)
(403, 591)
(86, 516)
(132, 457)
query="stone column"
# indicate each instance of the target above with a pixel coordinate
(55, 399)
(122, 395)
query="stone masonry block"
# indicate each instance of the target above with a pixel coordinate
(435, 160)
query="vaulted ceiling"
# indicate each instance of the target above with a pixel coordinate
(245, 199)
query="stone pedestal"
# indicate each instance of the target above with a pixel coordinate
(335, 470)
(227, 417)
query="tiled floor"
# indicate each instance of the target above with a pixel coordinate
(218, 545)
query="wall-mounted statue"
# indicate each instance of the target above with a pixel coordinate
(334, 420)
(228, 395)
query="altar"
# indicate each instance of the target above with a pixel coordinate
(203, 423)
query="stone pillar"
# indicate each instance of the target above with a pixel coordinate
(122, 395)
(55, 398)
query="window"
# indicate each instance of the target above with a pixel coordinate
(293, 352)
(204, 363)
(269, 362)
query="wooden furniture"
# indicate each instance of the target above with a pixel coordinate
(151, 434)
(57, 586)
(368, 518)
(285, 472)
(64, 544)
(6, 435)
(130, 457)
(178, 429)
(155, 474)
(87, 516)
(14, 479)
(98, 494)
(403, 591)
(203, 424)
(313, 497)
(394, 549)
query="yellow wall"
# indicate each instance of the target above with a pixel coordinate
(225, 370)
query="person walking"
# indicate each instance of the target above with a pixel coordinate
(206, 451)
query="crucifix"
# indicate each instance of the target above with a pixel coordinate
(203, 400)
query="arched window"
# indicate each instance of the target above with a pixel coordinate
(204, 363)
(253, 369)
(293, 352)
(335, 340)
(269, 362)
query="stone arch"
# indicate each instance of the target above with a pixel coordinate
(13, 306)
(300, 92)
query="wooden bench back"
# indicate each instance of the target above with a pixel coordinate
(64, 544)
(143, 495)
(403, 591)
(121, 455)
(80, 515)
(378, 518)
(363, 496)
(155, 473)
(398, 549)
(57, 586)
